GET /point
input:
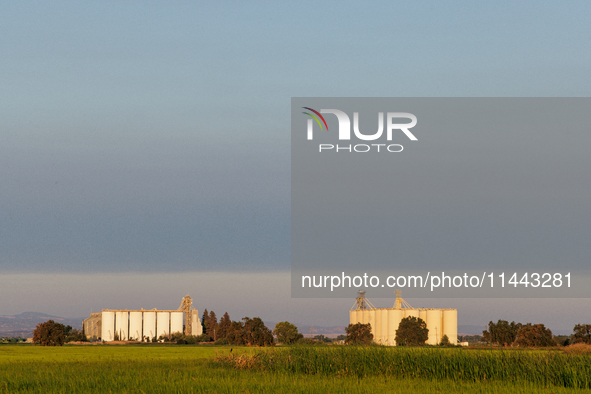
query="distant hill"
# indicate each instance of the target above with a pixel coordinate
(24, 324)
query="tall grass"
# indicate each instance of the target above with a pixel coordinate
(541, 368)
(187, 369)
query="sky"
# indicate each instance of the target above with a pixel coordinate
(151, 140)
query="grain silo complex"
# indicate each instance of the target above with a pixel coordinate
(141, 324)
(384, 321)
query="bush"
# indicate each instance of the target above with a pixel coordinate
(359, 334)
(74, 335)
(203, 338)
(578, 348)
(310, 342)
(222, 341)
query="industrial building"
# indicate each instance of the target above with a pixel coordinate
(138, 324)
(384, 321)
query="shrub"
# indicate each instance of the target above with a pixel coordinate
(359, 334)
(578, 348)
(203, 338)
(310, 342)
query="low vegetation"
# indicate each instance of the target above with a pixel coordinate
(168, 368)
(539, 368)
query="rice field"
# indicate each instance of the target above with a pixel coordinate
(208, 369)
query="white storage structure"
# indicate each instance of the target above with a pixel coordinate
(146, 324)
(162, 324)
(135, 325)
(122, 325)
(108, 326)
(149, 325)
(176, 322)
(196, 325)
(385, 321)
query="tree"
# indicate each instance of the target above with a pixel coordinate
(501, 333)
(224, 326)
(74, 335)
(287, 333)
(250, 332)
(445, 341)
(358, 334)
(236, 335)
(322, 338)
(49, 333)
(582, 333)
(257, 334)
(412, 331)
(534, 335)
(212, 325)
(204, 319)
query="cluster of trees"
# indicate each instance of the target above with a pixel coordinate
(581, 334)
(504, 333)
(247, 332)
(51, 333)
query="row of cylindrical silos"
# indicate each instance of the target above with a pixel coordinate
(384, 323)
(134, 325)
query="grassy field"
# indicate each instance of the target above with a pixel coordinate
(203, 369)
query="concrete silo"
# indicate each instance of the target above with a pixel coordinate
(385, 324)
(122, 325)
(162, 324)
(196, 327)
(176, 322)
(434, 326)
(394, 318)
(108, 326)
(150, 324)
(135, 325)
(450, 325)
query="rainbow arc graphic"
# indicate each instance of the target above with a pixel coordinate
(316, 118)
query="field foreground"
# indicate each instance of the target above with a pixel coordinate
(204, 369)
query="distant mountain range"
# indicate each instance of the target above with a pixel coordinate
(329, 332)
(24, 324)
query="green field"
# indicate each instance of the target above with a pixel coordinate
(194, 369)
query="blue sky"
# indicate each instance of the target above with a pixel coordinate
(154, 136)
